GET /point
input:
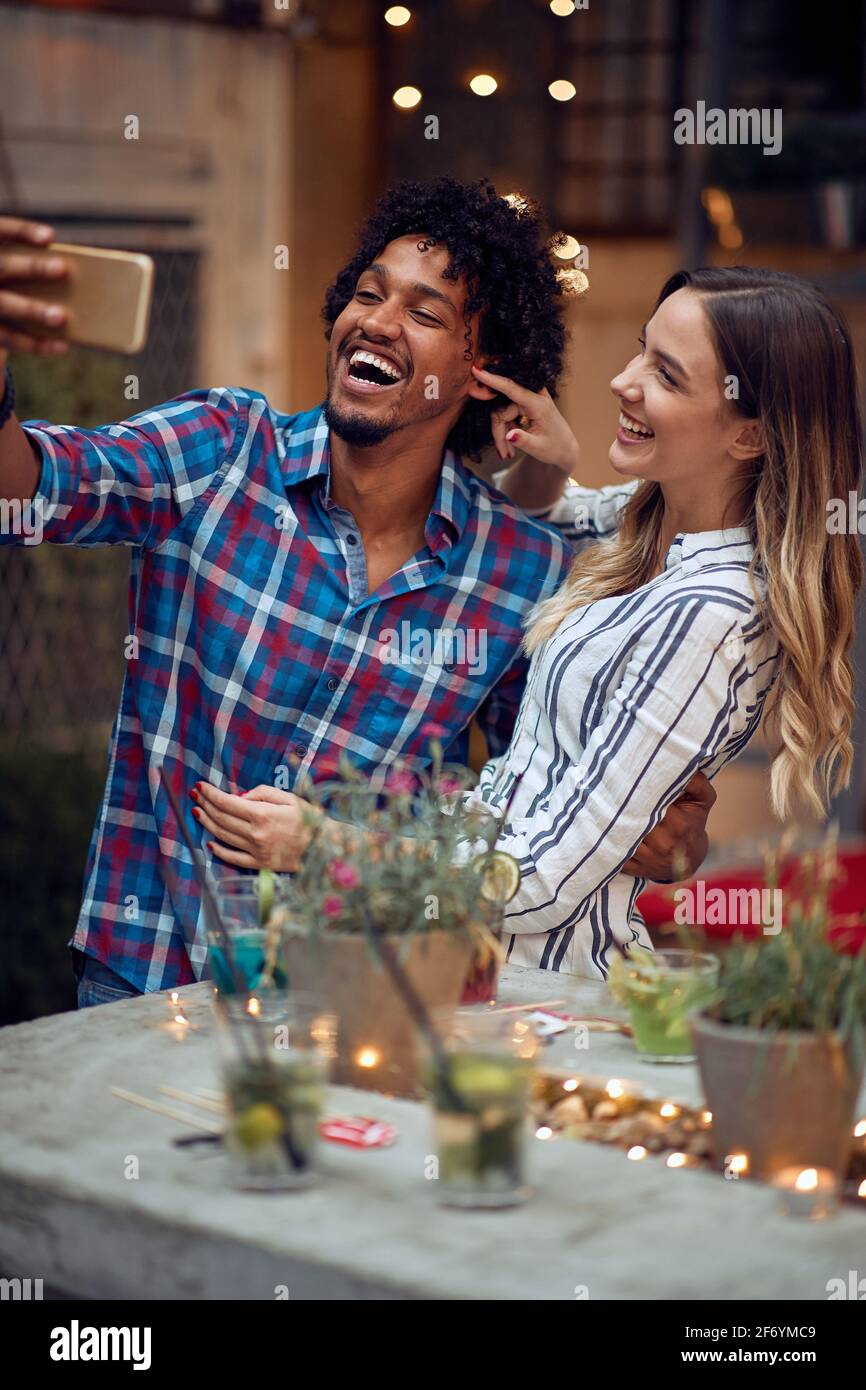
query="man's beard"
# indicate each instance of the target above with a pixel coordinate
(355, 429)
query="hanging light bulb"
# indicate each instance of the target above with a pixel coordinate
(562, 90)
(483, 85)
(406, 97)
(566, 250)
(397, 16)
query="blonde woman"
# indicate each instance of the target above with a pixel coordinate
(696, 591)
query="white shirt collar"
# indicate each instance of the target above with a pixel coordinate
(703, 549)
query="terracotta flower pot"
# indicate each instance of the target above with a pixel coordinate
(376, 1038)
(785, 1099)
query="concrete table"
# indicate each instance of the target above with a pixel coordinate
(599, 1226)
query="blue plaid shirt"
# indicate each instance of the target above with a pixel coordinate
(259, 655)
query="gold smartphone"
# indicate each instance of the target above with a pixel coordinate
(107, 295)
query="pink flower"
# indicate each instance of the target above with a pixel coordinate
(332, 906)
(343, 874)
(433, 730)
(449, 784)
(400, 782)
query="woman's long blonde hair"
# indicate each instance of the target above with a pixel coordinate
(791, 355)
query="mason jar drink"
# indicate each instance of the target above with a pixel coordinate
(661, 989)
(276, 1053)
(479, 1086)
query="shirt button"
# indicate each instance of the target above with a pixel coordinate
(333, 683)
(301, 749)
(352, 539)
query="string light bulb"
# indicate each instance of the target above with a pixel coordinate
(406, 98)
(567, 249)
(562, 8)
(562, 90)
(397, 16)
(483, 85)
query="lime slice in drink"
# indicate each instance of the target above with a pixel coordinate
(500, 876)
(258, 1124)
(267, 891)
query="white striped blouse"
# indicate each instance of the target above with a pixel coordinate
(628, 699)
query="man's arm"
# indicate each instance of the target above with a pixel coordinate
(678, 845)
(129, 483)
(19, 315)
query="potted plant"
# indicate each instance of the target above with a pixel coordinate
(781, 1046)
(404, 857)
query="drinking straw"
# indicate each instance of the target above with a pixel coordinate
(212, 911)
(209, 900)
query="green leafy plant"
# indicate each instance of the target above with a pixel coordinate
(799, 980)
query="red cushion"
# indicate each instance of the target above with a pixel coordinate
(847, 899)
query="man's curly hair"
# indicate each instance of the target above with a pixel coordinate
(497, 248)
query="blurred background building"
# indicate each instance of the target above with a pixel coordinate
(210, 133)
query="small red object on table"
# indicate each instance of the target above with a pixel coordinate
(357, 1131)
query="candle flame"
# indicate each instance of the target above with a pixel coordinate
(254, 1007)
(368, 1057)
(677, 1160)
(668, 1110)
(543, 1132)
(615, 1089)
(861, 1190)
(637, 1151)
(860, 1129)
(570, 1084)
(807, 1181)
(739, 1163)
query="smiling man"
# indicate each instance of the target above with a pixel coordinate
(272, 553)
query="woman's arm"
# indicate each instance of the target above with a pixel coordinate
(550, 451)
(684, 695)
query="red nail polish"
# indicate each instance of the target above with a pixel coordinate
(196, 812)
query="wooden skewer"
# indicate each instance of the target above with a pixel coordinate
(195, 1121)
(202, 1101)
(522, 1008)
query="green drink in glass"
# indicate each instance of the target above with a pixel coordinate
(275, 1067)
(479, 1089)
(661, 989)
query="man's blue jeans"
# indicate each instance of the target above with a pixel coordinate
(97, 984)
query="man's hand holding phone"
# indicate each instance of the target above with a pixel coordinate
(20, 312)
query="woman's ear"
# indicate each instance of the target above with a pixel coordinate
(477, 390)
(749, 443)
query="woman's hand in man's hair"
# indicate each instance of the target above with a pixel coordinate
(531, 422)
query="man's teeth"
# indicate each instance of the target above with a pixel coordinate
(633, 427)
(379, 362)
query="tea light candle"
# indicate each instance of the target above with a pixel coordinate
(807, 1192)
(179, 1026)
